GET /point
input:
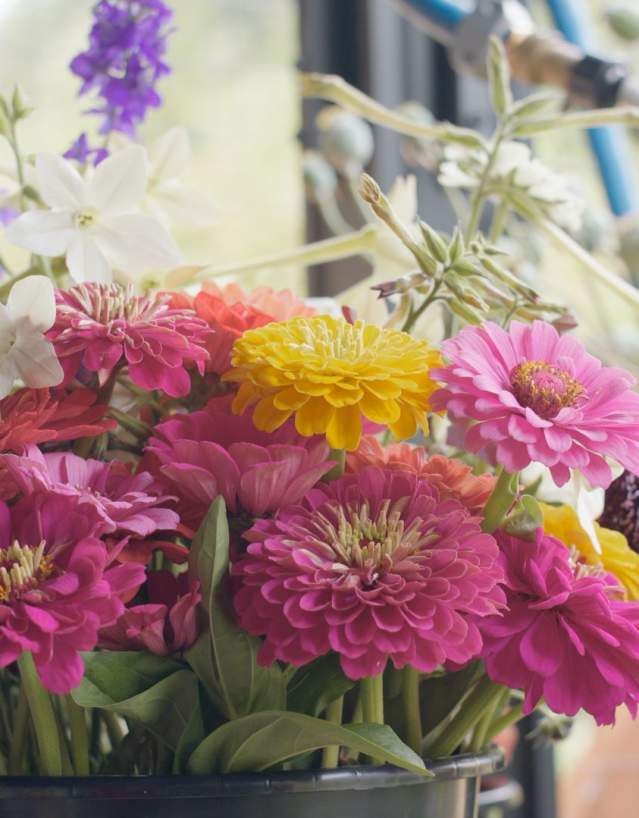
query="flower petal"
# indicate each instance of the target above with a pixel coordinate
(134, 243)
(86, 261)
(169, 155)
(119, 183)
(42, 232)
(35, 361)
(59, 183)
(33, 299)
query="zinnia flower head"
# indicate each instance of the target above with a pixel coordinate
(125, 503)
(621, 508)
(538, 396)
(452, 478)
(329, 374)
(566, 635)
(374, 566)
(56, 587)
(616, 555)
(104, 326)
(203, 454)
(167, 624)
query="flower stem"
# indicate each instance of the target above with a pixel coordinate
(334, 712)
(359, 242)
(499, 221)
(480, 733)
(372, 697)
(339, 456)
(42, 716)
(113, 727)
(480, 193)
(500, 500)
(414, 315)
(628, 115)
(20, 733)
(472, 710)
(412, 708)
(511, 716)
(79, 737)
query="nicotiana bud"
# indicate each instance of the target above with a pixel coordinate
(345, 140)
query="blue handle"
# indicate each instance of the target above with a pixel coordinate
(610, 145)
(444, 13)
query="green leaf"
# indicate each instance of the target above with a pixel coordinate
(191, 737)
(317, 685)
(225, 657)
(534, 104)
(260, 741)
(164, 708)
(440, 693)
(435, 243)
(525, 518)
(123, 674)
(499, 77)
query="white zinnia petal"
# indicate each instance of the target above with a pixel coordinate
(7, 376)
(33, 300)
(134, 243)
(85, 260)
(169, 155)
(59, 183)
(42, 231)
(35, 360)
(119, 183)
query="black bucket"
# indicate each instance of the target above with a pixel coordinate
(352, 792)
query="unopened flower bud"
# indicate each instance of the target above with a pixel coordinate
(345, 140)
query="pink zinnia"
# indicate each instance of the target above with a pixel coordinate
(168, 623)
(538, 396)
(374, 566)
(452, 478)
(567, 635)
(101, 327)
(212, 452)
(125, 503)
(57, 589)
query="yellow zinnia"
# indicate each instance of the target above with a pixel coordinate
(328, 373)
(617, 557)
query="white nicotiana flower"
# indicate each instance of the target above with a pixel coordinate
(25, 353)
(95, 222)
(515, 167)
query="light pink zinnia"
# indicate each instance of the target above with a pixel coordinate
(373, 566)
(452, 478)
(57, 589)
(168, 623)
(567, 634)
(126, 504)
(212, 452)
(538, 396)
(100, 327)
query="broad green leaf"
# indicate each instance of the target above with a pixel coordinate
(164, 708)
(225, 658)
(317, 685)
(123, 674)
(499, 77)
(262, 740)
(192, 736)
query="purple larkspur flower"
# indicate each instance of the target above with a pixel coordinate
(82, 152)
(122, 65)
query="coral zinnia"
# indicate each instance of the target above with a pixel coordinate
(212, 452)
(373, 566)
(104, 326)
(451, 477)
(565, 635)
(56, 587)
(616, 555)
(329, 373)
(540, 397)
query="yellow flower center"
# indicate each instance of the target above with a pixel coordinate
(86, 218)
(545, 388)
(22, 568)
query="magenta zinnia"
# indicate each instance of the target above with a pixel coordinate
(102, 327)
(211, 452)
(56, 587)
(567, 636)
(538, 396)
(373, 566)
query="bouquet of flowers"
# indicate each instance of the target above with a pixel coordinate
(239, 534)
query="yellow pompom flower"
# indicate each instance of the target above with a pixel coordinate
(329, 373)
(617, 557)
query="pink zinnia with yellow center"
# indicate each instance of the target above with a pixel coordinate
(537, 396)
(374, 566)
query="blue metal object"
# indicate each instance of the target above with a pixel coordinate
(445, 13)
(610, 145)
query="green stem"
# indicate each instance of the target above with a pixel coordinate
(500, 500)
(42, 716)
(412, 708)
(334, 713)
(79, 737)
(372, 696)
(20, 733)
(580, 119)
(499, 221)
(416, 314)
(13, 142)
(114, 730)
(511, 716)
(479, 195)
(357, 243)
(339, 456)
(472, 710)
(480, 733)
(333, 218)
